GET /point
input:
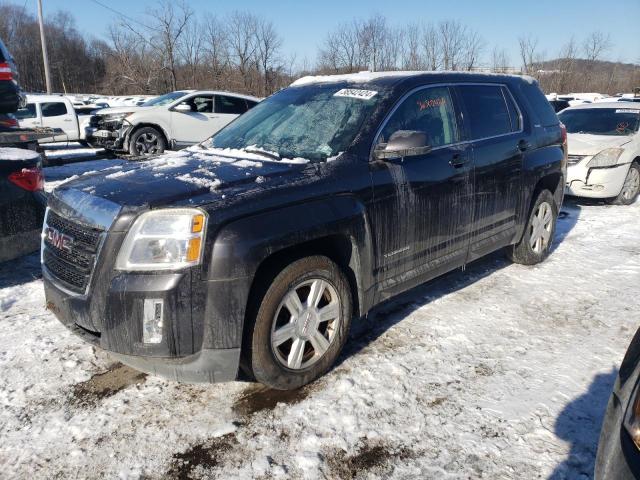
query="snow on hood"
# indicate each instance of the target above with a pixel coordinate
(589, 144)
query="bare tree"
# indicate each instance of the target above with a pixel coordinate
(528, 52)
(499, 60)
(268, 49)
(241, 35)
(431, 44)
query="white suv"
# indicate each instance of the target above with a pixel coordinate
(175, 120)
(604, 151)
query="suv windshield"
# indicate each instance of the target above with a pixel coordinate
(163, 99)
(312, 122)
(601, 121)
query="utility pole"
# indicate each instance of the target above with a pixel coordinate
(43, 41)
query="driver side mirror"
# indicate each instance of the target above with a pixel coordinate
(183, 107)
(403, 143)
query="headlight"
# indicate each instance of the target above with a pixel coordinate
(606, 158)
(163, 240)
(632, 418)
(116, 117)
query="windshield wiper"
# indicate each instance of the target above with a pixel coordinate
(273, 156)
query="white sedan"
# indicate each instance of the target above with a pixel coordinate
(604, 151)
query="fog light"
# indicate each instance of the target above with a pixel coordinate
(152, 321)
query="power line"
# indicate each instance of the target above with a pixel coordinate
(97, 2)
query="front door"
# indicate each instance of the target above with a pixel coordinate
(195, 125)
(422, 206)
(57, 115)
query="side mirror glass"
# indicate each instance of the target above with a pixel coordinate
(403, 143)
(182, 107)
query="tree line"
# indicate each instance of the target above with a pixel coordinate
(172, 47)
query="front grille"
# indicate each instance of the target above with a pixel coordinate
(575, 159)
(71, 267)
(100, 122)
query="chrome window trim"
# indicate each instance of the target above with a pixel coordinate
(454, 84)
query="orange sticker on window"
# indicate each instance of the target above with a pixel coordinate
(433, 102)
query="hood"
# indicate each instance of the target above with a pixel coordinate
(589, 144)
(190, 176)
(115, 110)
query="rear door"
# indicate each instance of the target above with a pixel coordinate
(196, 125)
(423, 204)
(59, 115)
(493, 124)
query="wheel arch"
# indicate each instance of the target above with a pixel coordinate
(249, 252)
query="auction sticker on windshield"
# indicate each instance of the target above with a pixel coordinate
(626, 110)
(356, 93)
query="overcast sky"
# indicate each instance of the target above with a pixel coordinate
(303, 25)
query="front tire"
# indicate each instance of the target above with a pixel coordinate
(538, 235)
(146, 141)
(630, 189)
(301, 324)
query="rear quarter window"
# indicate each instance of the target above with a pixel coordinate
(540, 105)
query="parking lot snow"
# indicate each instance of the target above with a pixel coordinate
(501, 371)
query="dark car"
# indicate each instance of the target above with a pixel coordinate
(21, 202)
(256, 248)
(11, 97)
(618, 455)
(559, 105)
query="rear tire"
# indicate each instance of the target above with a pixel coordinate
(301, 324)
(538, 235)
(630, 189)
(147, 141)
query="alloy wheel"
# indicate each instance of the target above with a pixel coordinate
(305, 323)
(541, 227)
(147, 144)
(631, 184)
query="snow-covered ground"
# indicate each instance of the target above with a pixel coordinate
(501, 371)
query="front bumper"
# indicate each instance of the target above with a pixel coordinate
(595, 182)
(107, 138)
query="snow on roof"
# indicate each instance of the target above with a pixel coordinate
(616, 105)
(364, 77)
(18, 154)
(361, 77)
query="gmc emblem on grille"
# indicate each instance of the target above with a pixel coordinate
(58, 239)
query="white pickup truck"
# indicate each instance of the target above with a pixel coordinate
(54, 111)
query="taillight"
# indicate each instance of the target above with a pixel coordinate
(9, 122)
(5, 72)
(563, 129)
(29, 179)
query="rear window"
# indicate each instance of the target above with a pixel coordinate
(231, 105)
(53, 109)
(487, 111)
(540, 105)
(27, 112)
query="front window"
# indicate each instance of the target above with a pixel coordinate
(601, 121)
(429, 110)
(312, 122)
(165, 99)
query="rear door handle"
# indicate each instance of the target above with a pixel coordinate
(457, 161)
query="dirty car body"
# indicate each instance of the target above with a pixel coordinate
(388, 223)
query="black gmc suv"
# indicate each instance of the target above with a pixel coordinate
(11, 96)
(255, 249)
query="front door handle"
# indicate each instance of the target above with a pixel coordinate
(457, 161)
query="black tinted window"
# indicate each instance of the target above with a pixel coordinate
(487, 113)
(251, 104)
(231, 105)
(541, 106)
(27, 112)
(53, 109)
